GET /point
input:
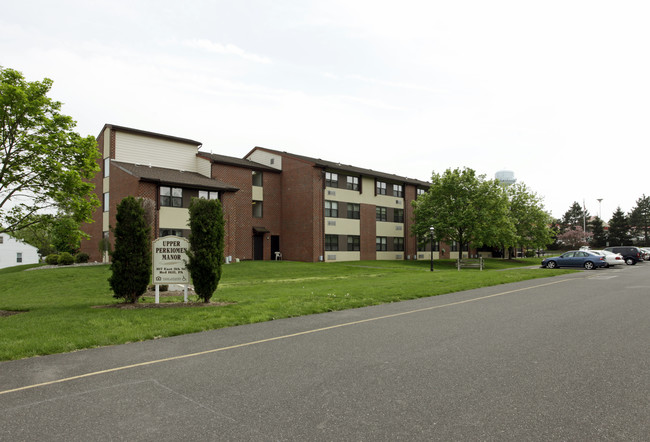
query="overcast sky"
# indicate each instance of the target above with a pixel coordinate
(556, 91)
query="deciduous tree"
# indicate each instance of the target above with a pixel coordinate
(531, 223)
(465, 208)
(45, 165)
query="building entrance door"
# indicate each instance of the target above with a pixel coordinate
(275, 245)
(258, 247)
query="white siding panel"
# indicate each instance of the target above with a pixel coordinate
(140, 149)
(266, 158)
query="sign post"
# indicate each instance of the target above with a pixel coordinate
(169, 256)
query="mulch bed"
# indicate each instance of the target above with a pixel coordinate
(4, 313)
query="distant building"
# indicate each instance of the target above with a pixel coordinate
(506, 177)
(14, 252)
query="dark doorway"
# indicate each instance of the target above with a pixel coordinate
(275, 245)
(258, 247)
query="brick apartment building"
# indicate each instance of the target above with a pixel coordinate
(306, 209)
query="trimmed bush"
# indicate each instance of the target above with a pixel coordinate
(52, 259)
(81, 258)
(131, 259)
(206, 246)
(65, 259)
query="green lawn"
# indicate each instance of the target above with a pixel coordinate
(60, 305)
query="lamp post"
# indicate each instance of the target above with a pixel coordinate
(431, 230)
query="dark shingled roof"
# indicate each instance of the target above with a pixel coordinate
(334, 166)
(174, 177)
(152, 134)
(234, 161)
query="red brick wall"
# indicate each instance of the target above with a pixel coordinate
(368, 232)
(238, 210)
(410, 242)
(303, 234)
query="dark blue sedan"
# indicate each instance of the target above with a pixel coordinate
(576, 258)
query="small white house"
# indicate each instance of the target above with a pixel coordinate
(14, 252)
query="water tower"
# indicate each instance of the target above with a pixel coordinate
(506, 177)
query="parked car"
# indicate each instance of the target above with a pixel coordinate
(631, 254)
(611, 258)
(576, 258)
(646, 253)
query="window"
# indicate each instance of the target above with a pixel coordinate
(353, 183)
(381, 213)
(354, 211)
(208, 195)
(332, 209)
(107, 167)
(398, 216)
(398, 190)
(354, 243)
(454, 246)
(257, 178)
(171, 196)
(381, 243)
(171, 232)
(421, 192)
(257, 209)
(19, 257)
(381, 188)
(2, 239)
(106, 202)
(331, 243)
(331, 179)
(398, 244)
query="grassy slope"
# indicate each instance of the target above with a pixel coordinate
(61, 316)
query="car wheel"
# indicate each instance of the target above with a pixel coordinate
(629, 261)
(589, 265)
(551, 265)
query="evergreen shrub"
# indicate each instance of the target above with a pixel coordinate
(81, 258)
(131, 257)
(206, 249)
(65, 259)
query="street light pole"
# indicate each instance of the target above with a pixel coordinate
(431, 230)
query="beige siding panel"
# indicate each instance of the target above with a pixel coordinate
(342, 256)
(204, 167)
(266, 158)
(105, 184)
(107, 143)
(389, 256)
(105, 222)
(342, 226)
(390, 229)
(258, 193)
(139, 149)
(367, 197)
(174, 218)
(426, 256)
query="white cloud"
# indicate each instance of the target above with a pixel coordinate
(227, 49)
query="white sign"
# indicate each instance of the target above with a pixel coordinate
(169, 255)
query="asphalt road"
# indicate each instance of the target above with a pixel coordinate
(565, 358)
